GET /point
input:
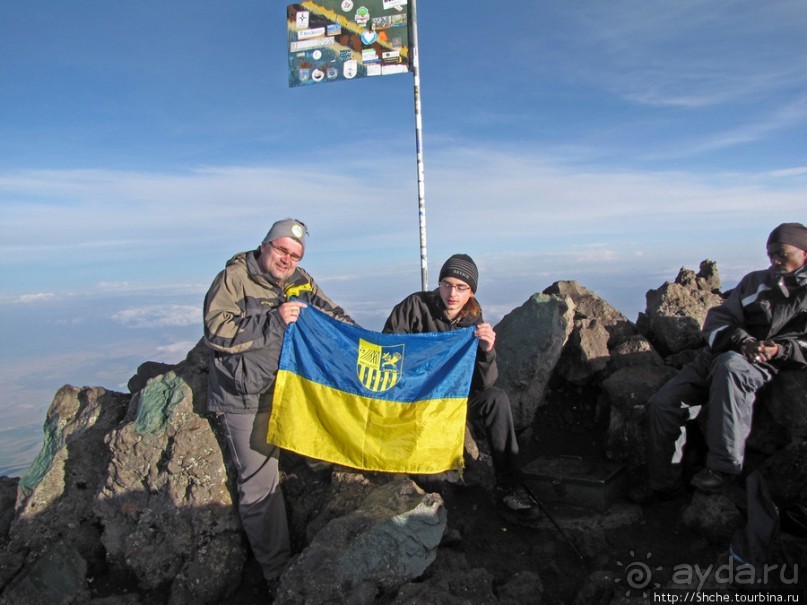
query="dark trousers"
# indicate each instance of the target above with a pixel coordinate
(490, 410)
(260, 499)
(726, 384)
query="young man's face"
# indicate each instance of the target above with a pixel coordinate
(455, 293)
(786, 258)
(279, 258)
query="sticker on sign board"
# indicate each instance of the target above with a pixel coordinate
(388, 4)
(350, 69)
(368, 36)
(387, 70)
(369, 55)
(315, 32)
(311, 44)
(374, 69)
(362, 16)
(317, 75)
(347, 5)
(302, 19)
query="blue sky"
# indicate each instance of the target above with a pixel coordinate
(144, 143)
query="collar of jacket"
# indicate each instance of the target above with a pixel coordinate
(797, 279)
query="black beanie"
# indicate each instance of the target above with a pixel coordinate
(794, 234)
(462, 267)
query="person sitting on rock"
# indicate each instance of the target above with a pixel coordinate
(450, 307)
(758, 330)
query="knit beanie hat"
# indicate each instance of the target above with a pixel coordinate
(288, 227)
(462, 267)
(794, 234)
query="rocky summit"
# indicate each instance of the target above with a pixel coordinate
(131, 499)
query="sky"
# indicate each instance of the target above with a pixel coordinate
(142, 144)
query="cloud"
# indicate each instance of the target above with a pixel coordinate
(176, 350)
(539, 192)
(155, 316)
(31, 298)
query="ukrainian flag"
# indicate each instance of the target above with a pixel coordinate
(372, 401)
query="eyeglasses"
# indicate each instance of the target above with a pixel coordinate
(460, 288)
(281, 252)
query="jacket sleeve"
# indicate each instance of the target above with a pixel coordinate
(228, 327)
(486, 372)
(304, 288)
(792, 352)
(723, 328)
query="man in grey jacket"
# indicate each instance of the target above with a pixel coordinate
(759, 329)
(246, 311)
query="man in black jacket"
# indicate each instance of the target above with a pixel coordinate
(758, 330)
(452, 306)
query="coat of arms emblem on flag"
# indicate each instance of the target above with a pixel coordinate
(379, 367)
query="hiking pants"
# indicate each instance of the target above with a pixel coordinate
(726, 384)
(260, 500)
(490, 409)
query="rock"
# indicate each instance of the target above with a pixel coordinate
(599, 588)
(64, 478)
(11, 563)
(587, 305)
(451, 581)
(523, 587)
(767, 435)
(146, 371)
(197, 359)
(585, 353)
(627, 391)
(786, 400)
(346, 493)
(390, 539)
(8, 498)
(786, 475)
(635, 350)
(529, 343)
(675, 312)
(165, 506)
(58, 577)
(708, 277)
(682, 358)
(713, 516)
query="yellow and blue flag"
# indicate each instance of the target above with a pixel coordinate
(372, 401)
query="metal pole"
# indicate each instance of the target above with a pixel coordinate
(413, 34)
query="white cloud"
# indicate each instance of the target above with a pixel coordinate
(514, 196)
(31, 298)
(155, 316)
(176, 351)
